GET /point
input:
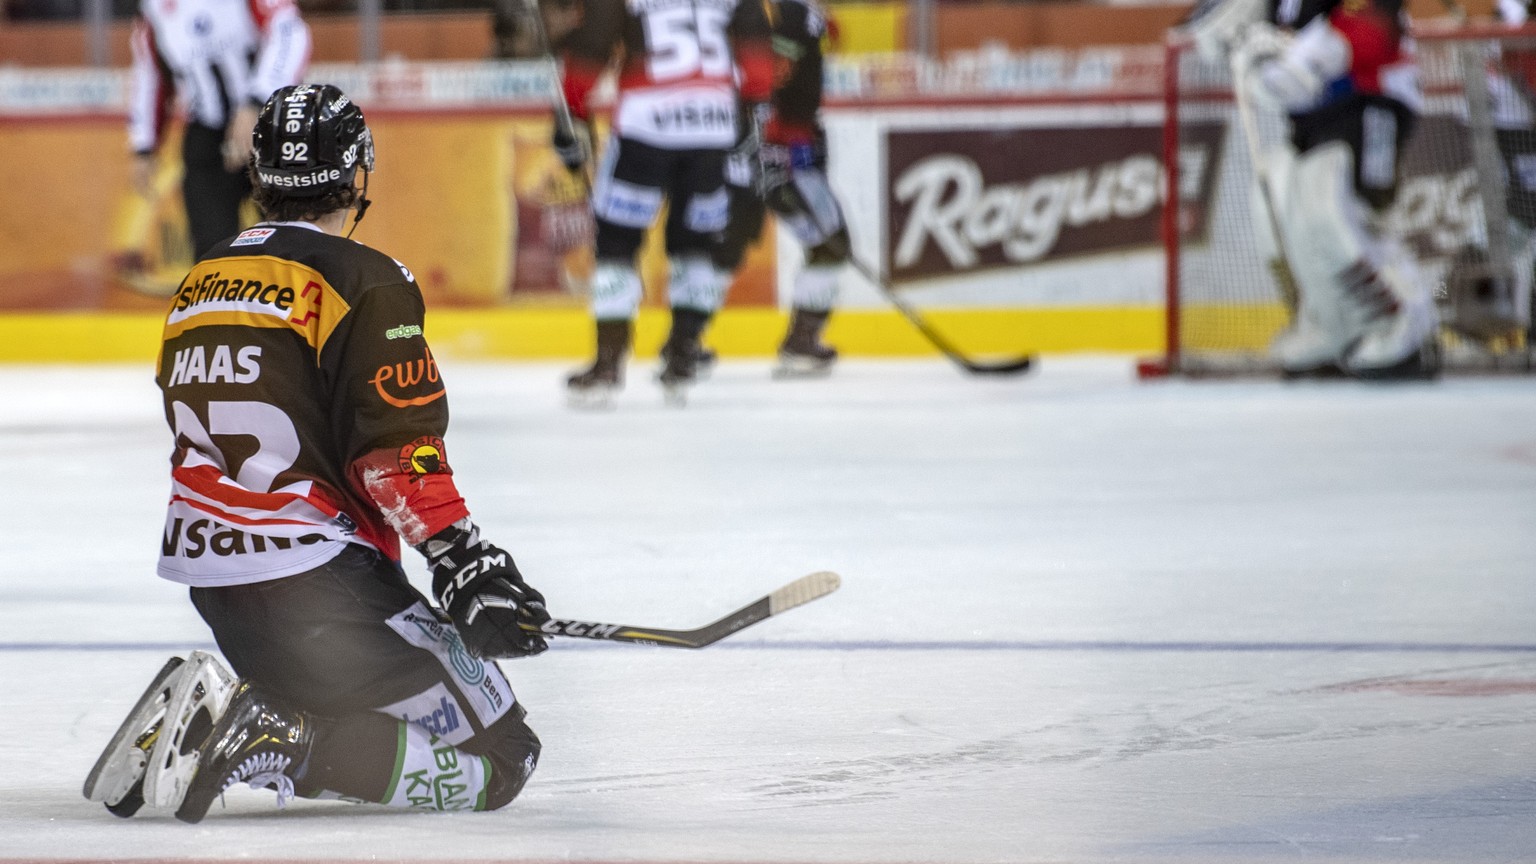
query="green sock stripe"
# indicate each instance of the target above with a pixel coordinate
(394, 777)
(485, 765)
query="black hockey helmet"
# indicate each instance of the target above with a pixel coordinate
(309, 140)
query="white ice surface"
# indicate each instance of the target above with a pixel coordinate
(1083, 619)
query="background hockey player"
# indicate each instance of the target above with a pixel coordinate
(223, 58)
(308, 416)
(1343, 71)
(674, 121)
(801, 196)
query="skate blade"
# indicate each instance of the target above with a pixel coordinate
(675, 395)
(121, 765)
(801, 368)
(602, 397)
(197, 700)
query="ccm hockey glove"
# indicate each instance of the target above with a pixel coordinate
(479, 586)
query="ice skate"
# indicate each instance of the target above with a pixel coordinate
(802, 354)
(679, 371)
(597, 386)
(259, 741)
(681, 353)
(704, 362)
(151, 758)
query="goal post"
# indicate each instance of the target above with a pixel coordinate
(1469, 164)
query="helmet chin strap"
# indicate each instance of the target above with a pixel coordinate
(362, 205)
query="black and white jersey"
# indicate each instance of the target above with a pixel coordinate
(677, 60)
(303, 398)
(798, 29)
(214, 55)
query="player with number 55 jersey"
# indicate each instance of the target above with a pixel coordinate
(675, 119)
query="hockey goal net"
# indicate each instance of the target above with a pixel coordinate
(1470, 163)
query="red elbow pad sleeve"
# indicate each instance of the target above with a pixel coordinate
(580, 77)
(412, 487)
(756, 62)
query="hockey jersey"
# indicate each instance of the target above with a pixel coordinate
(307, 409)
(1363, 44)
(676, 80)
(215, 55)
(799, 27)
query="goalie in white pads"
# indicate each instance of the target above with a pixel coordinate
(1345, 76)
(308, 416)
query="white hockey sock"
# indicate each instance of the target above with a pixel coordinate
(695, 283)
(816, 287)
(435, 775)
(616, 291)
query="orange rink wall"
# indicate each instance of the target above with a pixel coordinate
(469, 201)
(462, 198)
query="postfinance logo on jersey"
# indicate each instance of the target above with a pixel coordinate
(257, 291)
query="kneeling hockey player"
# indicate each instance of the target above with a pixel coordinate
(308, 416)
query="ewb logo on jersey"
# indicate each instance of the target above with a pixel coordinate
(397, 382)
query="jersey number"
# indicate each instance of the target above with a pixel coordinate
(687, 40)
(277, 442)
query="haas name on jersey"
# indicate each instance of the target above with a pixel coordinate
(226, 366)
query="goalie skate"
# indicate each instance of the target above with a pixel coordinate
(151, 758)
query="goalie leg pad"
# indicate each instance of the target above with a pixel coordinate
(1323, 226)
(1362, 296)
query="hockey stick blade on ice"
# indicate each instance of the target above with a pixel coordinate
(975, 367)
(797, 593)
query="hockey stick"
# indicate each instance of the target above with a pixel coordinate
(564, 122)
(975, 367)
(1280, 265)
(797, 593)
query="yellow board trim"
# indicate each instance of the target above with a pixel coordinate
(567, 334)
